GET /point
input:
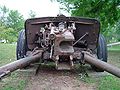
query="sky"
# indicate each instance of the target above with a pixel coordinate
(42, 8)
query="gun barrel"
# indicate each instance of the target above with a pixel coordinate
(4, 70)
(103, 65)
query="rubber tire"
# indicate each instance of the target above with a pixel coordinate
(21, 45)
(101, 52)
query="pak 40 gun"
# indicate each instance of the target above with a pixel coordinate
(66, 41)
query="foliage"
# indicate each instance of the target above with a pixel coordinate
(7, 34)
(15, 20)
(11, 22)
(117, 28)
(106, 11)
(113, 33)
(3, 14)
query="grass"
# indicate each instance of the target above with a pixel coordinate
(7, 53)
(18, 82)
(114, 48)
(109, 83)
(14, 81)
(88, 80)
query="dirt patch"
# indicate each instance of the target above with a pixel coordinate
(50, 79)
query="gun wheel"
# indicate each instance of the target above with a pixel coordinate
(101, 52)
(21, 45)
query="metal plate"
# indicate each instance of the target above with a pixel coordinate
(83, 26)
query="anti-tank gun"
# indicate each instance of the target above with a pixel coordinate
(66, 41)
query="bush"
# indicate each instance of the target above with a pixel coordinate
(8, 34)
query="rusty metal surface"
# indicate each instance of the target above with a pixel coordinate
(83, 26)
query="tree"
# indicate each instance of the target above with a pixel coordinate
(117, 30)
(11, 22)
(7, 34)
(3, 14)
(32, 14)
(15, 20)
(107, 11)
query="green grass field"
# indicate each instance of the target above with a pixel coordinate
(18, 82)
(114, 48)
(7, 53)
(109, 83)
(14, 82)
